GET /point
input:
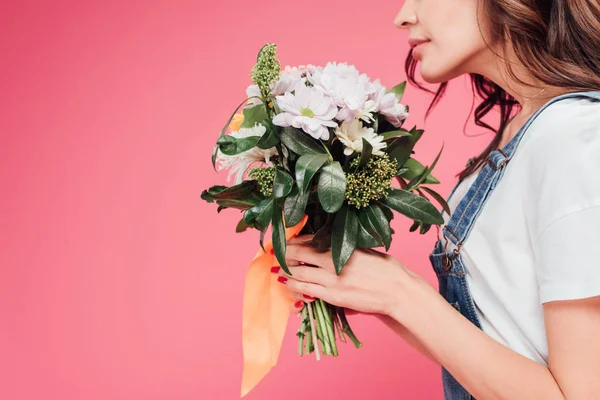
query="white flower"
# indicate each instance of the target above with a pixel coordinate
(253, 91)
(290, 77)
(309, 108)
(238, 164)
(352, 133)
(348, 88)
(387, 104)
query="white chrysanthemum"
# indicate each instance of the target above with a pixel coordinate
(348, 88)
(238, 164)
(387, 104)
(309, 109)
(287, 82)
(352, 133)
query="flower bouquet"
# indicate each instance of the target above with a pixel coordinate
(315, 150)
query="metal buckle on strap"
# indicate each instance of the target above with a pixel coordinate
(502, 163)
(447, 259)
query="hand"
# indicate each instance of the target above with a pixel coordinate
(369, 283)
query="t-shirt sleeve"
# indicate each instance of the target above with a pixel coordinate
(567, 263)
(563, 201)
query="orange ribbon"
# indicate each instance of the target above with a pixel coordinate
(265, 314)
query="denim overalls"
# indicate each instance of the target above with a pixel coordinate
(446, 258)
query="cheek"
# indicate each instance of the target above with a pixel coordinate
(448, 57)
(456, 39)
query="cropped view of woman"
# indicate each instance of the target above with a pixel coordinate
(516, 256)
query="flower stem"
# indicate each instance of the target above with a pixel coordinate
(302, 332)
(309, 340)
(314, 331)
(347, 329)
(328, 325)
(321, 330)
(338, 325)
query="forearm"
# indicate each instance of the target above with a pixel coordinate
(486, 368)
(408, 337)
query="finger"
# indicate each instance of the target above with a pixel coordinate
(291, 263)
(297, 306)
(311, 289)
(300, 296)
(314, 275)
(309, 255)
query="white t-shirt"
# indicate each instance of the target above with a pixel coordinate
(537, 234)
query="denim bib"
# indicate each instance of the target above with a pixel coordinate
(446, 258)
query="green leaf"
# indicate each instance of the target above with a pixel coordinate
(282, 183)
(344, 236)
(366, 240)
(269, 139)
(242, 226)
(367, 234)
(438, 198)
(413, 206)
(242, 196)
(279, 239)
(230, 145)
(214, 152)
(426, 172)
(415, 169)
(232, 192)
(380, 223)
(306, 167)
(415, 181)
(365, 154)
(253, 115)
(398, 90)
(262, 238)
(294, 206)
(260, 214)
(240, 204)
(300, 142)
(424, 228)
(395, 134)
(332, 187)
(414, 226)
(401, 148)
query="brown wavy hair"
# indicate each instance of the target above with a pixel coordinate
(558, 41)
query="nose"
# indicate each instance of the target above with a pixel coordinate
(406, 16)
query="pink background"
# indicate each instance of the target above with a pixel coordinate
(116, 280)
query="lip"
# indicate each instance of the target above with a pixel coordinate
(414, 42)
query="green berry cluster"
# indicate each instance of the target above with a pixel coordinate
(371, 182)
(264, 177)
(267, 69)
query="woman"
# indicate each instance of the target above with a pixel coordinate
(516, 256)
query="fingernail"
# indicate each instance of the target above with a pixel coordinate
(282, 279)
(309, 297)
(298, 304)
(274, 270)
(272, 251)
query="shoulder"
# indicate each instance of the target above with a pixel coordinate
(563, 132)
(568, 121)
(561, 160)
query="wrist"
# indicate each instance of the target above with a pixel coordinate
(405, 301)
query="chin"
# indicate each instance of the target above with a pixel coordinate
(435, 72)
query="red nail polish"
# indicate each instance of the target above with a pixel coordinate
(282, 279)
(272, 251)
(274, 270)
(298, 304)
(309, 297)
